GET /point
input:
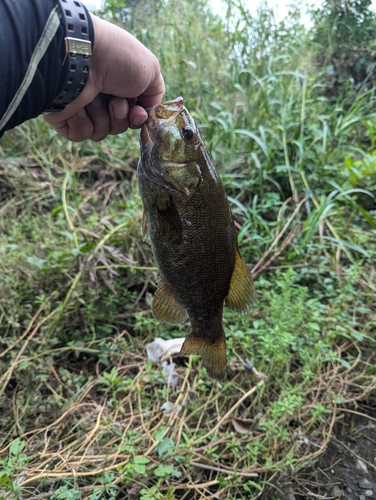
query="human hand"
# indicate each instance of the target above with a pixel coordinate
(121, 67)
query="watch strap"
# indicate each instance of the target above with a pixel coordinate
(78, 49)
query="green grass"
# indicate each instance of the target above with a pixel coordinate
(81, 407)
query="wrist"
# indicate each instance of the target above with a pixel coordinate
(79, 38)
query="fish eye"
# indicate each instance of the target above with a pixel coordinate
(187, 132)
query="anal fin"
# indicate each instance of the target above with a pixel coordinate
(242, 290)
(165, 307)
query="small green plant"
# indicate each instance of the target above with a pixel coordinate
(67, 492)
(153, 494)
(12, 466)
(135, 468)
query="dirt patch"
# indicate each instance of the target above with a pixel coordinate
(347, 469)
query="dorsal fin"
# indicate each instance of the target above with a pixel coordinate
(165, 307)
(242, 290)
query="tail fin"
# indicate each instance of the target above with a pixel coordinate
(212, 352)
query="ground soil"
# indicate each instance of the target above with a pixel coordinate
(347, 469)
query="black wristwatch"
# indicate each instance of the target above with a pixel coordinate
(78, 49)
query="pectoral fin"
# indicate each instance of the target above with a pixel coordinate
(166, 220)
(165, 307)
(212, 352)
(242, 290)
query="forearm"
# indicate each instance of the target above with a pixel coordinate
(32, 54)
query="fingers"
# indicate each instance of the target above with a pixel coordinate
(108, 117)
(137, 116)
(77, 128)
(119, 115)
(95, 121)
(98, 113)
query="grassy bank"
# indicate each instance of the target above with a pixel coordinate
(81, 407)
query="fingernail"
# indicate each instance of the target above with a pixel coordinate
(81, 113)
(138, 120)
(121, 110)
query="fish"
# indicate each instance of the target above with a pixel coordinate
(188, 221)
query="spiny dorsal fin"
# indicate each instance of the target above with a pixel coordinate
(212, 352)
(242, 290)
(165, 307)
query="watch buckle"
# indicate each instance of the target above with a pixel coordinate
(77, 46)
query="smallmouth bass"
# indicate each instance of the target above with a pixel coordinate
(188, 219)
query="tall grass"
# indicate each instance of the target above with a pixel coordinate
(76, 391)
(269, 129)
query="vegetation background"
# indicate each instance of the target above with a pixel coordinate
(288, 116)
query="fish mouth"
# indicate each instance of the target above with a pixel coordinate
(168, 110)
(159, 116)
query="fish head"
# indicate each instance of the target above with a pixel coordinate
(171, 147)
